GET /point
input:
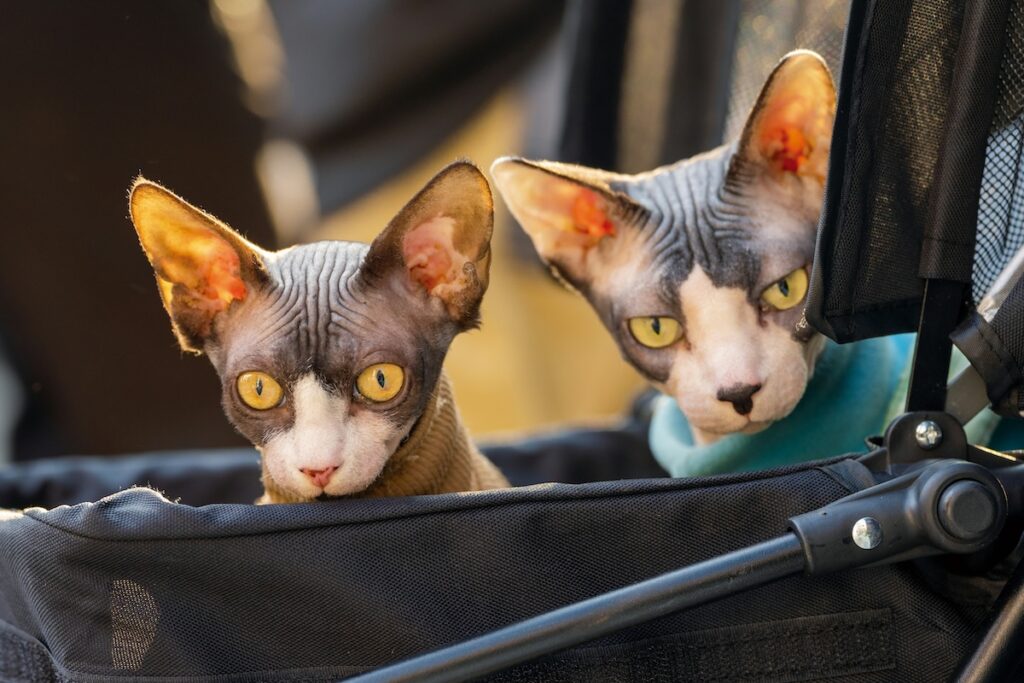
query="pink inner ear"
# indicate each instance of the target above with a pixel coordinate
(786, 148)
(793, 129)
(589, 217)
(781, 136)
(431, 257)
(223, 277)
(205, 264)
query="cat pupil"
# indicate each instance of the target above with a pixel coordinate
(259, 386)
(784, 287)
(381, 380)
(656, 325)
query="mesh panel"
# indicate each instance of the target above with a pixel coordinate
(1001, 207)
(894, 91)
(910, 159)
(912, 128)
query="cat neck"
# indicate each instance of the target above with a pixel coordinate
(437, 457)
(702, 438)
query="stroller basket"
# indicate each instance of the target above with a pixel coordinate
(136, 586)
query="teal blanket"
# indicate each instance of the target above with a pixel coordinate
(854, 393)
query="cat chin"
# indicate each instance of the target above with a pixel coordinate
(705, 438)
(755, 427)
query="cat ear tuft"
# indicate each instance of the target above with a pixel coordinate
(439, 243)
(566, 210)
(789, 130)
(202, 266)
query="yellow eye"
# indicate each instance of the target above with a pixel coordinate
(380, 382)
(787, 292)
(259, 390)
(655, 332)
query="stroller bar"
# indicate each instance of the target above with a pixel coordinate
(548, 633)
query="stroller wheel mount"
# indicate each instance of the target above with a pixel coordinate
(916, 436)
(945, 507)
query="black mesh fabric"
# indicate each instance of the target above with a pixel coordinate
(1001, 210)
(924, 179)
(894, 89)
(1009, 325)
(996, 346)
(135, 586)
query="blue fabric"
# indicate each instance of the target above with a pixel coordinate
(847, 400)
(1009, 435)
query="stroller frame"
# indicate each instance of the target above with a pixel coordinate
(945, 505)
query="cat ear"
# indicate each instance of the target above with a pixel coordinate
(440, 242)
(568, 211)
(789, 130)
(202, 266)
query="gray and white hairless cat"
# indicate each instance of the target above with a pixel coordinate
(330, 353)
(699, 269)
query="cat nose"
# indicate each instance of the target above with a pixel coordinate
(741, 396)
(320, 477)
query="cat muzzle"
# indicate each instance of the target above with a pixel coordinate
(319, 477)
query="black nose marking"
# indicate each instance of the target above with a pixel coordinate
(741, 396)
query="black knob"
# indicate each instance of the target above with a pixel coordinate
(967, 510)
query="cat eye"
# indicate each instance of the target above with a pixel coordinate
(380, 382)
(655, 332)
(259, 391)
(787, 292)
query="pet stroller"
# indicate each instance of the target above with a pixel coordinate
(896, 565)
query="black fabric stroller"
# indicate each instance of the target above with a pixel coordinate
(898, 565)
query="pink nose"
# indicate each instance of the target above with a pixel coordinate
(319, 477)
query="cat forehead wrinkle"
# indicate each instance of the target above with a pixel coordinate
(317, 290)
(693, 220)
(308, 315)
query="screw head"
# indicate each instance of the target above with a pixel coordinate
(928, 434)
(867, 533)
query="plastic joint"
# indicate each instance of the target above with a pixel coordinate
(947, 507)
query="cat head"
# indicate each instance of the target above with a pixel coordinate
(327, 352)
(700, 269)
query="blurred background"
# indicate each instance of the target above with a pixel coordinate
(304, 120)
